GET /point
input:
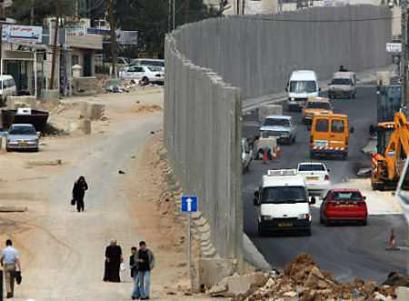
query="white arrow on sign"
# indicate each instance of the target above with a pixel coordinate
(189, 204)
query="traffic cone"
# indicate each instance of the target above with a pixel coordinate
(265, 156)
(392, 241)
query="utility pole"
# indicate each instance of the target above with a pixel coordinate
(174, 15)
(187, 10)
(238, 7)
(169, 15)
(55, 43)
(404, 54)
(113, 35)
(243, 5)
(32, 13)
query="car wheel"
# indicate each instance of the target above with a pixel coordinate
(321, 220)
(293, 141)
(308, 232)
(145, 79)
(364, 222)
(326, 222)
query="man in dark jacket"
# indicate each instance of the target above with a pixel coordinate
(146, 262)
(78, 193)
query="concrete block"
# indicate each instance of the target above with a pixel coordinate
(402, 293)
(214, 270)
(50, 95)
(92, 111)
(85, 126)
(266, 110)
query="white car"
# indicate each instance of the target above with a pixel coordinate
(151, 74)
(316, 177)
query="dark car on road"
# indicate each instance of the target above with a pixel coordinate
(343, 205)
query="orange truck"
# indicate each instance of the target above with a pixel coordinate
(330, 135)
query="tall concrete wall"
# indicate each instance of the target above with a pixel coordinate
(202, 112)
(258, 53)
(202, 135)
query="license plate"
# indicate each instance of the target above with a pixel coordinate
(347, 205)
(313, 178)
(285, 225)
(22, 143)
(321, 143)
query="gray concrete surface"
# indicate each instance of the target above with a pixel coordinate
(202, 135)
(347, 251)
(258, 53)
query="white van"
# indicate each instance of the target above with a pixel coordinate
(282, 202)
(302, 85)
(7, 88)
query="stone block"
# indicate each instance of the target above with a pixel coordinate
(213, 270)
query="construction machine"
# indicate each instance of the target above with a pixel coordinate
(392, 150)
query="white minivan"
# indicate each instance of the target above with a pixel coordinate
(282, 202)
(302, 85)
(7, 88)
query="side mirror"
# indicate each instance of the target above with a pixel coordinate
(286, 89)
(256, 194)
(319, 89)
(256, 198)
(329, 170)
(352, 130)
(39, 134)
(364, 198)
(313, 200)
(255, 202)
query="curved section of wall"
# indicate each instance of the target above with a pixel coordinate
(257, 53)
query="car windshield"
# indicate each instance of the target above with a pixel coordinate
(319, 105)
(285, 194)
(153, 63)
(276, 122)
(346, 196)
(311, 167)
(22, 130)
(307, 86)
(341, 81)
(154, 69)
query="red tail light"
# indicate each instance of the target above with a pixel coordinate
(326, 178)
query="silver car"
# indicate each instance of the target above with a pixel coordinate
(280, 126)
(22, 137)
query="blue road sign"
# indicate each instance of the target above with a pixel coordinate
(189, 203)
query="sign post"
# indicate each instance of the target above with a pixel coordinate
(189, 205)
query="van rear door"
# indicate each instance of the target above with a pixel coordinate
(338, 139)
(320, 133)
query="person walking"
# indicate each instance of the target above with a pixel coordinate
(10, 260)
(78, 193)
(113, 260)
(146, 263)
(133, 266)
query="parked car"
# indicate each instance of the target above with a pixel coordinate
(246, 154)
(343, 84)
(149, 62)
(315, 105)
(145, 73)
(280, 126)
(7, 88)
(316, 177)
(22, 137)
(344, 205)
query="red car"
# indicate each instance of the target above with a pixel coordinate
(344, 205)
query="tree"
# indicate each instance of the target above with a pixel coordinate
(150, 19)
(22, 10)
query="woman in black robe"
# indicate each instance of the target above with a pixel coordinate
(78, 193)
(113, 259)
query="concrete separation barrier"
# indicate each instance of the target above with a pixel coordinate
(213, 66)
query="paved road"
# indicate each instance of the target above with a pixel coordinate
(347, 251)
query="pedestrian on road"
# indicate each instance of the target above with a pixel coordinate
(133, 266)
(10, 260)
(78, 193)
(113, 260)
(146, 263)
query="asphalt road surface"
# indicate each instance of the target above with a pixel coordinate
(347, 251)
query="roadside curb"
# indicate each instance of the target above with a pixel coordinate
(253, 256)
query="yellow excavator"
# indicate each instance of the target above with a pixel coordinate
(392, 150)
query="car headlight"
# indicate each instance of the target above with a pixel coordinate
(292, 99)
(266, 217)
(304, 216)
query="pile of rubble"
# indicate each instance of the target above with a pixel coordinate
(303, 280)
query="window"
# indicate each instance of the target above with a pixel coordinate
(322, 125)
(153, 63)
(307, 86)
(75, 60)
(337, 126)
(341, 81)
(284, 194)
(346, 196)
(276, 122)
(318, 105)
(311, 167)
